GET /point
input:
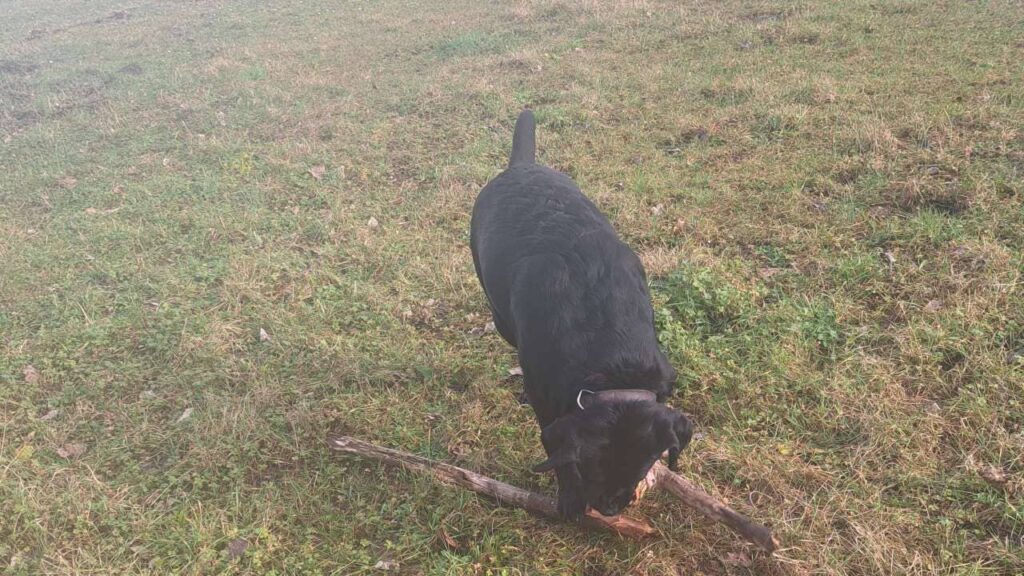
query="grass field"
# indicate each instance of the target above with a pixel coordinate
(231, 228)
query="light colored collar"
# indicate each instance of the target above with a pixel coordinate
(588, 398)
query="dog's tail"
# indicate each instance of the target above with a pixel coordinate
(524, 144)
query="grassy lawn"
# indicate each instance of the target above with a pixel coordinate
(229, 228)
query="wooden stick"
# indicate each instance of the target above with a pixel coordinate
(659, 477)
(695, 497)
(500, 491)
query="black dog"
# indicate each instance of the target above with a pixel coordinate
(573, 299)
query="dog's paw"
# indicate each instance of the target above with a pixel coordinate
(571, 506)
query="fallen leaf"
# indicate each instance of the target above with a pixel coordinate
(318, 171)
(738, 559)
(933, 306)
(49, 415)
(30, 373)
(372, 223)
(679, 227)
(517, 371)
(237, 547)
(91, 210)
(386, 565)
(446, 538)
(993, 475)
(68, 451)
(783, 449)
(67, 182)
(184, 416)
(264, 337)
(24, 453)
(656, 210)
(489, 327)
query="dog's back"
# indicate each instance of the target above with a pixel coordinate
(561, 285)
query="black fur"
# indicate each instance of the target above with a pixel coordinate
(573, 299)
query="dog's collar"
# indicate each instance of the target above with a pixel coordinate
(587, 398)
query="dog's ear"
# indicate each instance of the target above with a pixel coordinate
(673, 431)
(560, 458)
(561, 443)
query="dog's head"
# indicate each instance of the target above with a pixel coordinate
(600, 454)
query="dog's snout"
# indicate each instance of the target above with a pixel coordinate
(615, 504)
(609, 509)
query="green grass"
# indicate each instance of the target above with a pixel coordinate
(827, 195)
